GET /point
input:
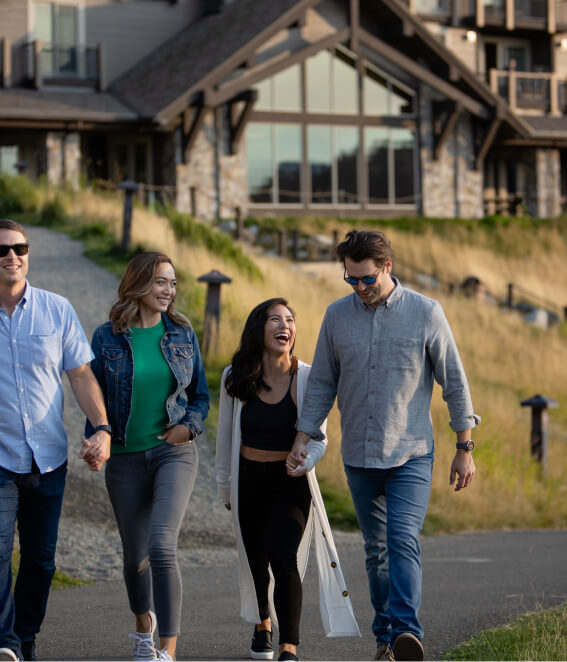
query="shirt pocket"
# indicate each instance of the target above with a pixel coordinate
(404, 353)
(114, 360)
(45, 347)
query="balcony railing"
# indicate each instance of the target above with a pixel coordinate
(531, 93)
(43, 64)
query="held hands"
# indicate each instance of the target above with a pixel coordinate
(177, 435)
(462, 466)
(299, 462)
(95, 450)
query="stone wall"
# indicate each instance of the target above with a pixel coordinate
(548, 182)
(451, 187)
(199, 174)
(63, 158)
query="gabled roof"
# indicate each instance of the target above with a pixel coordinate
(171, 73)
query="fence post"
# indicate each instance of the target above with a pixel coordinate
(214, 280)
(510, 300)
(239, 223)
(335, 244)
(282, 247)
(193, 201)
(294, 244)
(129, 189)
(538, 439)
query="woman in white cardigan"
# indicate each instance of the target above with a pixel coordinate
(275, 515)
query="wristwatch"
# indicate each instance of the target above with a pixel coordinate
(466, 445)
(104, 428)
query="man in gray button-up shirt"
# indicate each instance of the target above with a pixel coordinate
(379, 351)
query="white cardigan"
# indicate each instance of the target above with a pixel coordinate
(335, 605)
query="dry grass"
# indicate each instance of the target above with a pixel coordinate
(506, 360)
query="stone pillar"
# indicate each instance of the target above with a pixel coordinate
(548, 178)
(72, 160)
(54, 143)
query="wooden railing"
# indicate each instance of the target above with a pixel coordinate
(525, 91)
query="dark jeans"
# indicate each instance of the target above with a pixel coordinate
(33, 500)
(149, 492)
(273, 509)
(391, 505)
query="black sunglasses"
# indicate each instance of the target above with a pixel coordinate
(19, 249)
(367, 280)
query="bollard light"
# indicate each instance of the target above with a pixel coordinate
(538, 440)
(214, 280)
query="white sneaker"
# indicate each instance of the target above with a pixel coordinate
(8, 654)
(164, 655)
(144, 648)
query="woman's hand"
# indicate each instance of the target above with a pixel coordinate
(177, 435)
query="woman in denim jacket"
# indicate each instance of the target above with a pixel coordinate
(148, 364)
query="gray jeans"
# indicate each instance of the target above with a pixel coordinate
(149, 492)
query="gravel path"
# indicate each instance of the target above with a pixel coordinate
(89, 545)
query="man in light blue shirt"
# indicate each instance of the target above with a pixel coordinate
(379, 351)
(40, 337)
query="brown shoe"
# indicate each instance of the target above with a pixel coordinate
(408, 647)
(384, 652)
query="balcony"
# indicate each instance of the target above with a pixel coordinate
(41, 65)
(531, 93)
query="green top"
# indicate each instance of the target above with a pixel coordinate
(153, 384)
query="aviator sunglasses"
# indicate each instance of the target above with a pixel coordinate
(367, 280)
(19, 249)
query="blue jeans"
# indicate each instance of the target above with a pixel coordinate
(34, 500)
(390, 505)
(149, 491)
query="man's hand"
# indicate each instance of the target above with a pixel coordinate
(462, 466)
(177, 435)
(95, 451)
(297, 455)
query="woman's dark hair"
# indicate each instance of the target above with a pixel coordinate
(361, 245)
(245, 378)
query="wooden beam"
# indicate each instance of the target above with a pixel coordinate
(408, 30)
(6, 73)
(446, 130)
(354, 23)
(423, 74)
(237, 128)
(247, 80)
(192, 123)
(487, 142)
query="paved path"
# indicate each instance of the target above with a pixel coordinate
(471, 582)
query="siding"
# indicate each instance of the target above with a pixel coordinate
(131, 29)
(13, 19)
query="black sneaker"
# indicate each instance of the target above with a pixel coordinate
(28, 650)
(288, 657)
(261, 647)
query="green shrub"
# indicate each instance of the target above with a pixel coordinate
(53, 211)
(17, 195)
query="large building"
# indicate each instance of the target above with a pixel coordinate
(443, 108)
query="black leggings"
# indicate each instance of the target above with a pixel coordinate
(273, 509)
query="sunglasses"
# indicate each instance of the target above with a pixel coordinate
(367, 280)
(19, 249)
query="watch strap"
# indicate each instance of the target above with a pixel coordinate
(103, 428)
(465, 445)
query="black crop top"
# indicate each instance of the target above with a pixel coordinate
(269, 427)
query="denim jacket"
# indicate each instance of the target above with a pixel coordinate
(113, 366)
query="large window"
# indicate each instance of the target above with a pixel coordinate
(319, 160)
(56, 26)
(274, 162)
(8, 158)
(390, 154)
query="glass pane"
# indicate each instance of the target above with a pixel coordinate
(403, 145)
(376, 144)
(319, 147)
(8, 159)
(260, 162)
(518, 54)
(264, 89)
(287, 90)
(400, 103)
(347, 161)
(66, 25)
(345, 87)
(288, 150)
(318, 74)
(375, 91)
(43, 22)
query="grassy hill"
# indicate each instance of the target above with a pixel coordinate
(506, 359)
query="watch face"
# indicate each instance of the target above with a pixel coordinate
(470, 445)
